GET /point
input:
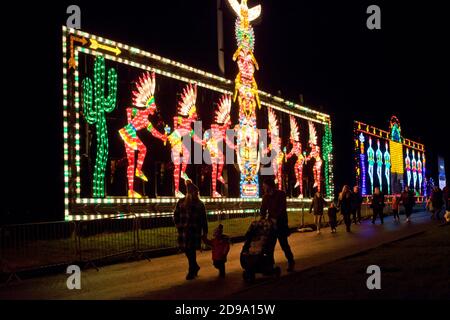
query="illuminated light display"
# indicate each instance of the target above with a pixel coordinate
(138, 119)
(314, 154)
(95, 105)
(72, 62)
(362, 163)
(371, 161)
(387, 168)
(79, 151)
(275, 148)
(423, 175)
(95, 45)
(408, 168)
(327, 147)
(414, 170)
(419, 173)
(187, 114)
(246, 90)
(214, 137)
(396, 129)
(296, 151)
(396, 157)
(379, 156)
(399, 158)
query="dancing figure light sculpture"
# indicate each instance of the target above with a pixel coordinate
(296, 151)
(314, 154)
(138, 119)
(215, 139)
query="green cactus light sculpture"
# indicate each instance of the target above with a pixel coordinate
(94, 108)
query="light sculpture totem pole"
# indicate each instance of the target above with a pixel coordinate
(246, 91)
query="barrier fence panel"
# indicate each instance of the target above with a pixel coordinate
(104, 238)
(28, 246)
(31, 246)
(235, 223)
(156, 232)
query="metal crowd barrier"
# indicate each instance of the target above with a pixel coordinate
(25, 247)
(106, 238)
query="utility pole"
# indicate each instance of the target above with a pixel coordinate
(220, 52)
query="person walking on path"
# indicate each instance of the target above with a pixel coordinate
(408, 200)
(345, 206)
(356, 205)
(446, 199)
(332, 217)
(220, 246)
(317, 205)
(192, 226)
(437, 202)
(377, 205)
(273, 207)
(396, 207)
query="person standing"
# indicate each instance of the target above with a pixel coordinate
(317, 205)
(191, 223)
(446, 199)
(273, 207)
(396, 207)
(437, 201)
(345, 206)
(332, 216)
(377, 205)
(356, 205)
(408, 200)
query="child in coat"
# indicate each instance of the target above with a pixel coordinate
(332, 216)
(220, 245)
(396, 207)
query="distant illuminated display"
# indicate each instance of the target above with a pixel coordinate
(389, 161)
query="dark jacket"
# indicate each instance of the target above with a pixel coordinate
(332, 214)
(408, 199)
(345, 204)
(356, 201)
(191, 224)
(446, 199)
(317, 204)
(273, 206)
(377, 202)
(437, 199)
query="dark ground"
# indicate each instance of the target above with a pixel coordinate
(414, 268)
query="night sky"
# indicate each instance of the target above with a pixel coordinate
(320, 49)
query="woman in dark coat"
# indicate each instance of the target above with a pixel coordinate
(190, 221)
(345, 206)
(317, 205)
(377, 205)
(437, 201)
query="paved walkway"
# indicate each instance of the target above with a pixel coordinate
(163, 278)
